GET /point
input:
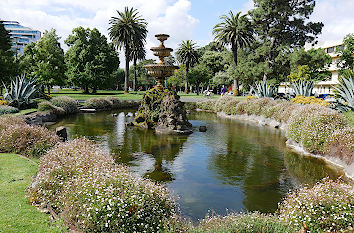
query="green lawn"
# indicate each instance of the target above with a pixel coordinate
(350, 117)
(26, 111)
(16, 214)
(78, 95)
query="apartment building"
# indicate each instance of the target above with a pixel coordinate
(21, 35)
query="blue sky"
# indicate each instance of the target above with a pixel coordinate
(182, 19)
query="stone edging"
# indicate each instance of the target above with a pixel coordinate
(348, 170)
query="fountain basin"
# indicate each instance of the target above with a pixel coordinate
(161, 70)
(161, 52)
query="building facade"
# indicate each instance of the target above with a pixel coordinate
(20, 35)
(322, 87)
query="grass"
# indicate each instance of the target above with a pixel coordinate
(16, 214)
(26, 111)
(350, 117)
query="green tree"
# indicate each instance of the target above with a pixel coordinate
(199, 75)
(187, 54)
(137, 53)
(7, 60)
(179, 78)
(316, 60)
(216, 61)
(234, 30)
(143, 78)
(126, 29)
(282, 25)
(302, 73)
(44, 60)
(91, 61)
(346, 60)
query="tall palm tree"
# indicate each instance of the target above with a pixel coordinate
(234, 30)
(137, 53)
(129, 26)
(187, 54)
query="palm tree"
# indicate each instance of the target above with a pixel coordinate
(235, 30)
(187, 54)
(137, 53)
(128, 27)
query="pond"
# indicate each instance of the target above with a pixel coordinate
(234, 166)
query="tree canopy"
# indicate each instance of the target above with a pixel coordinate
(7, 60)
(90, 59)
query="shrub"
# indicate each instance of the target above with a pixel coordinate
(283, 110)
(4, 102)
(5, 109)
(299, 99)
(318, 127)
(207, 105)
(228, 107)
(100, 103)
(116, 103)
(220, 102)
(26, 139)
(326, 207)
(341, 145)
(68, 104)
(7, 120)
(297, 119)
(255, 106)
(85, 186)
(251, 222)
(47, 106)
(240, 108)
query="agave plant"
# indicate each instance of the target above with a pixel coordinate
(345, 101)
(22, 91)
(302, 87)
(263, 89)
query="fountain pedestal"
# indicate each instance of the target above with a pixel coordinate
(161, 108)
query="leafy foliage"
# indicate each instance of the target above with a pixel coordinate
(68, 104)
(22, 92)
(346, 60)
(5, 109)
(91, 61)
(299, 99)
(45, 60)
(7, 59)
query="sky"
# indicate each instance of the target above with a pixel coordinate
(181, 19)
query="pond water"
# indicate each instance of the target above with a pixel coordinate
(234, 166)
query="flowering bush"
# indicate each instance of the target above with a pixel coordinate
(26, 140)
(240, 108)
(340, 144)
(247, 223)
(99, 103)
(7, 120)
(48, 106)
(68, 104)
(228, 107)
(4, 102)
(116, 103)
(299, 99)
(318, 127)
(85, 186)
(326, 207)
(297, 119)
(283, 111)
(207, 105)
(255, 106)
(5, 109)
(220, 102)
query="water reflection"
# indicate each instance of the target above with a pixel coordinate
(234, 165)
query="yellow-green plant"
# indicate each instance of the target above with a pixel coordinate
(299, 99)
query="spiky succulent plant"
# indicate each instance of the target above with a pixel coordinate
(21, 92)
(302, 87)
(263, 89)
(345, 89)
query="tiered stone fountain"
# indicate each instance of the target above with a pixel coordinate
(161, 108)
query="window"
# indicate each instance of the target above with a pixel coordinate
(330, 50)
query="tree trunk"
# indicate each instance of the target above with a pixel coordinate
(234, 55)
(48, 89)
(126, 78)
(186, 84)
(94, 90)
(86, 89)
(135, 78)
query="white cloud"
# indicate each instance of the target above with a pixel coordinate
(163, 16)
(337, 17)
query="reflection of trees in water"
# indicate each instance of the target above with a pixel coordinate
(254, 160)
(162, 148)
(307, 169)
